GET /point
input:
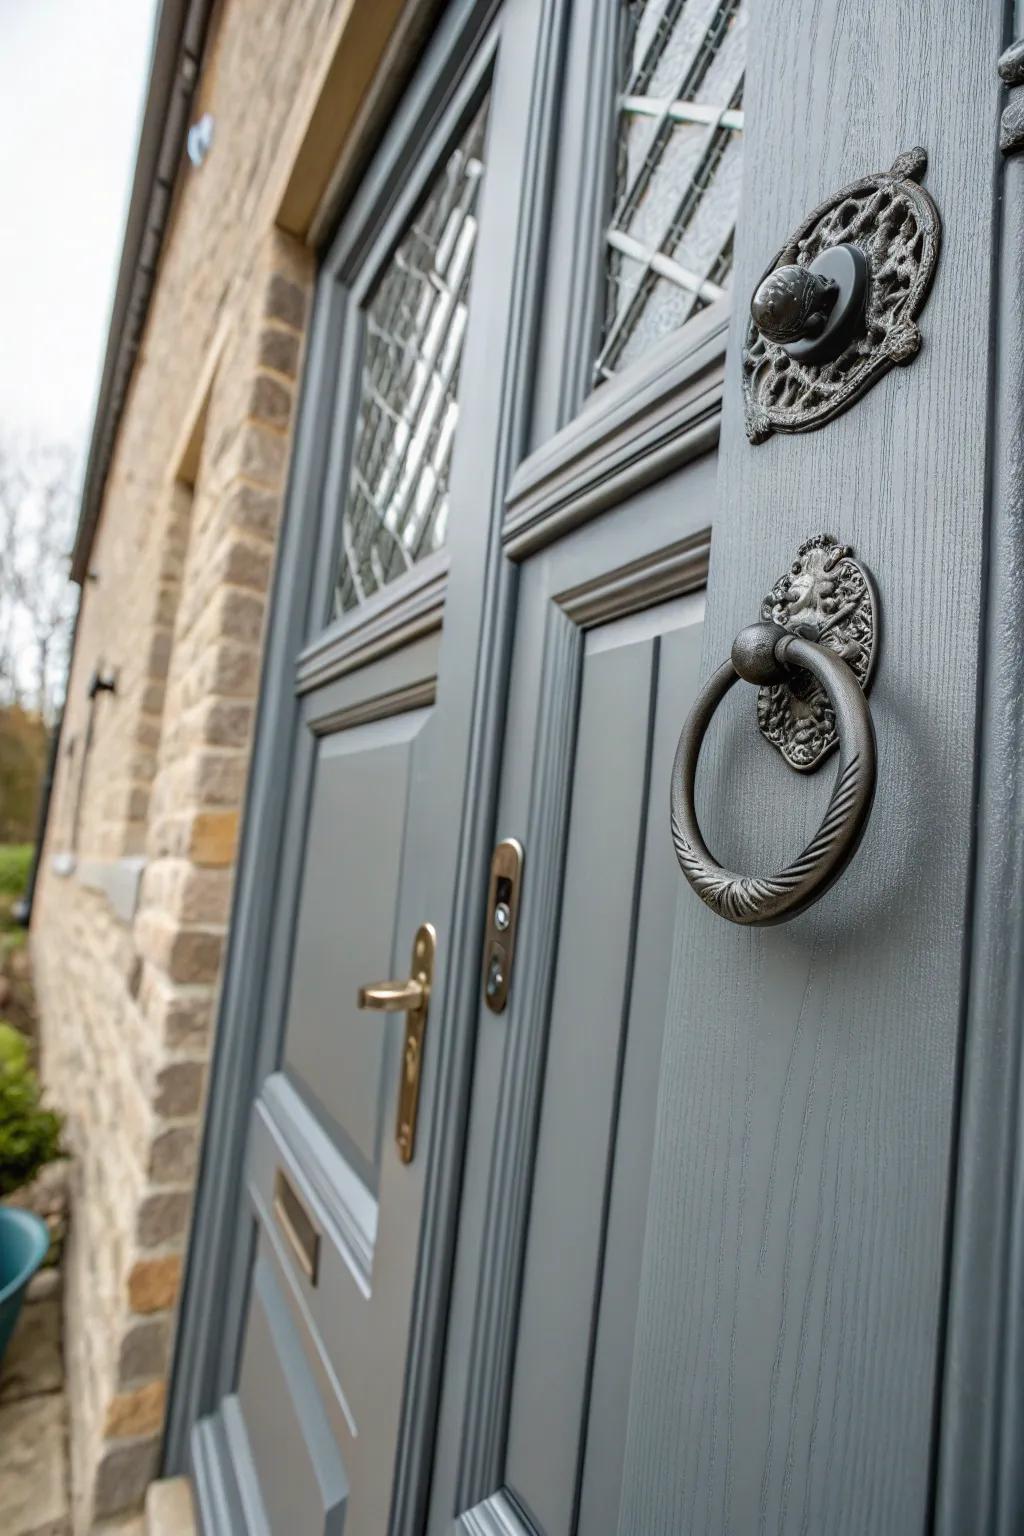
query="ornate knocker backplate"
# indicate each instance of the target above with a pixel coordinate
(855, 273)
(826, 596)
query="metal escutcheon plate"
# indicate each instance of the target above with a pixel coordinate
(826, 596)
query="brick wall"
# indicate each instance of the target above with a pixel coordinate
(135, 883)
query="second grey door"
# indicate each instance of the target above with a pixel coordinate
(701, 1269)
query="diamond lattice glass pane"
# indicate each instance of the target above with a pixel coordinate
(677, 169)
(396, 504)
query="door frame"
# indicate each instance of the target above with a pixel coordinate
(979, 1474)
(528, 35)
(568, 478)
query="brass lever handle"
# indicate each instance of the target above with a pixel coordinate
(411, 997)
(393, 996)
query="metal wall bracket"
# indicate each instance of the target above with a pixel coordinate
(886, 224)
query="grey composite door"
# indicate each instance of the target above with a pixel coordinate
(358, 831)
(701, 1278)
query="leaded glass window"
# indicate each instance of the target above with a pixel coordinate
(678, 164)
(396, 504)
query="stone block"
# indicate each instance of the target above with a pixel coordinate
(270, 401)
(145, 1350)
(286, 302)
(214, 837)
(162, 1218)
(280, 350)
(218, 777)
(153, 1283)
(33, 1476)
(179, 1089)
(33, 1363)
(45, 1285)
(169, 1510)
(122, 1476)
(173, 1155)
(238, 614)
(194, 955)
(225, 722)
(131, 1414)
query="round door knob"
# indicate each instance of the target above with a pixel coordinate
(761, 654)
(812, 312)
(793, 304)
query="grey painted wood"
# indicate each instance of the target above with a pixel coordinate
(446, 821)
(301, 1478)
(532, 33)
(218, 1502)
(980, 1477)
(345, 931)
(654, 418)
(598, 572)
(788, 1340)
(678, 681)
(592, 976)
(286, 1134)
(754, 1341)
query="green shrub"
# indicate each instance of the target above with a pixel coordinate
(29, 1134)
(15, 862)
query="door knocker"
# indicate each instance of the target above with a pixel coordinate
(811, 655)
(837, 307)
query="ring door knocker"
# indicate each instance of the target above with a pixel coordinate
(812, 656)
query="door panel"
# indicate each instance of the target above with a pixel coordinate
(606, 653)
(336, 1054)
(801, 1182)
(290, 1438)
(604, 1039)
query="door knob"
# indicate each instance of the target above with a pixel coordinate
(411, 996)
(812, 312)
(812, 656)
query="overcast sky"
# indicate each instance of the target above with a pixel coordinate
(72, 79)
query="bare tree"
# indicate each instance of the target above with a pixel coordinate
(37, 601)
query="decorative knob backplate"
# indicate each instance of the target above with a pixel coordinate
(806, 358)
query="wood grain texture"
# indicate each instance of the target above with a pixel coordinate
(981, 1477)
(631, 433)
(494, 1326)
(586, 1041)
(532, 42)
(789, 1325)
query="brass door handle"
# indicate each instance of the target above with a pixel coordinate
(393, 996)
(411, 996)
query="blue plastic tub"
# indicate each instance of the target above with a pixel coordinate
(24, 1242)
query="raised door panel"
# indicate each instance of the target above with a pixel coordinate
(606, 654)
(286, 1436)
(581, 1269)
(335, 1054)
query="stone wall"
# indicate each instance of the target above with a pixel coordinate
(135, 881)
